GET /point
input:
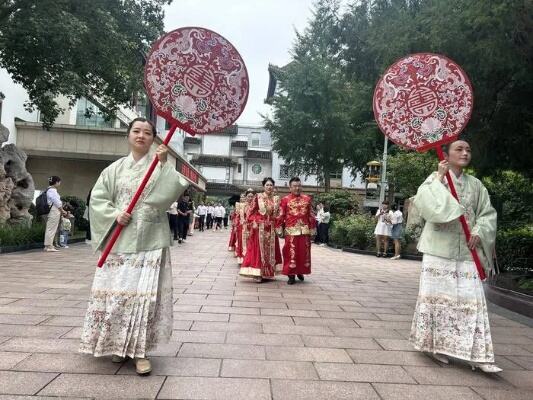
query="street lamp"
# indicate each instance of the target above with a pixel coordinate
(383, 172)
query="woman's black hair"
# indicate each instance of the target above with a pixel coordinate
(394, 207)
(269, 179)
(53, 180)
(141, 119)
(446, 147)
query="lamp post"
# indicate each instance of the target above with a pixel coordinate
(383, 172)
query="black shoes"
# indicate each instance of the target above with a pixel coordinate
(300, 277)
(291, 280)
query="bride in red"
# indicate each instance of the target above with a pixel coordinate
(263, 255)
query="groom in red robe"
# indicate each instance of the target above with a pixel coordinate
(297, 223)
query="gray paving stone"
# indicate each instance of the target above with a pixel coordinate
(15, 382)
(424, 392)
(268, 369)
(198, 337)
(298, 330)
(341, 342)
(9, 359)
(215, 388)
(319, 390)
(18, 319)
(210, 350)
(177, 366)
(264, 339)
(457, 376)
(226, 327)
(362, 373)
(520, 379)
(390, 357)
(104, 386)
(37, 345)
(75, 363)
(500, 394)
(33, 331)
(307, 354)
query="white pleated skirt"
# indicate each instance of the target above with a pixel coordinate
(130, 307)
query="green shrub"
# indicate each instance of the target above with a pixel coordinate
(78, 206)
(514, 249)
(12, 235)
(341, 203)
(510, 194)
(355, 231)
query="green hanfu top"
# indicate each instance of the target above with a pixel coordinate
(443, 235)
(114, 190)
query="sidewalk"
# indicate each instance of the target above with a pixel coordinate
(340, 335)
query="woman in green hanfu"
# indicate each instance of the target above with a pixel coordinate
(130, 307)
(451, 318)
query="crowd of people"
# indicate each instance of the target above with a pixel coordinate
(259, 220)
(130, 306)
(184, 217)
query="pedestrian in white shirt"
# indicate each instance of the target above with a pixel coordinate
(325, 217)
(56, 211)
(383, 229)
(219, 215)
(172, 213)
(201, 211)
(210, 216)
(397, 230)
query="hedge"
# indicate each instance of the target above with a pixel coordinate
(514, 249)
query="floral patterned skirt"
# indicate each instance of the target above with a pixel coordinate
(451, 315)
(130, 308)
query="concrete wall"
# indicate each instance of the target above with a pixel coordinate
(77, 176)
(216, 145)
(214, 173)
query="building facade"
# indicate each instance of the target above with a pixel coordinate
(81, 143)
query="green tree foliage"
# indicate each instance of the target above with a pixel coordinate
(323, 111)
(408, 169)
(317, 126)
(78, 48)
(490, 39)
(510, 194)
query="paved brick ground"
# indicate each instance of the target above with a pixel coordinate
(340, 335)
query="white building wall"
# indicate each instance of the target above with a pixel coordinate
(266, 169)
(348, 181)
(214, 173)
(216, 145)
(13, 105)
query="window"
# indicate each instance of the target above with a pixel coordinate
(284, 172)
(336, 175)
(239, 168)
(89, 114)
(256, 139)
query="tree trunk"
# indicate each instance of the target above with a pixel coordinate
(327, 179)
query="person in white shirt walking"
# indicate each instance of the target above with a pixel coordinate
(219, 213)
(201, 211)
(172, 214)
(397, 230)
(210, 216)
(325, 217)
